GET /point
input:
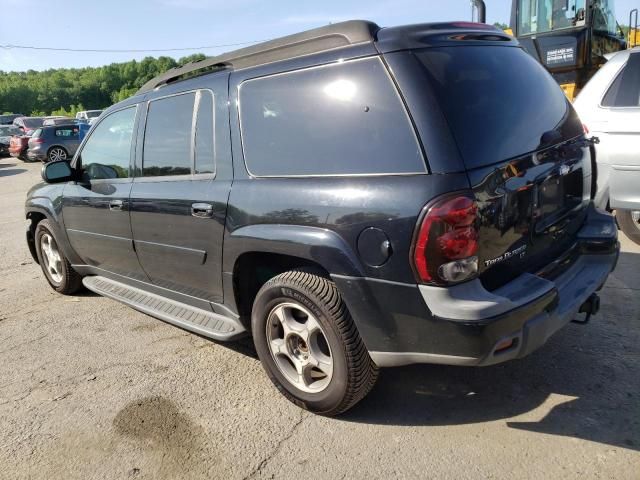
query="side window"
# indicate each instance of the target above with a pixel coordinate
(345, 118)
(167, 138)
(67, 132)
(625, 90)
(107, 152)
(205, 153)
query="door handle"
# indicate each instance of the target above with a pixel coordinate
(116, 205)
(202, 210)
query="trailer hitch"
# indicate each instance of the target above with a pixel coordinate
(590, 307)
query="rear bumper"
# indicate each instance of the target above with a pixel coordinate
(36, 155)
(403, 324)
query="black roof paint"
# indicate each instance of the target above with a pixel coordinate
(336, 36)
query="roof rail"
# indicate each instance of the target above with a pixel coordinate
(304, 43)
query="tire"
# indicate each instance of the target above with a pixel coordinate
(57, 269)
(56, 154)
(629, 225)
(319, 331)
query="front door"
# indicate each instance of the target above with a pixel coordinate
(179, 196)
(96, 209)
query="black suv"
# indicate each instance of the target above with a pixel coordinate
(355, 197)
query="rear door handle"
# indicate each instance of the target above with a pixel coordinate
(116, 205)
(202, 210)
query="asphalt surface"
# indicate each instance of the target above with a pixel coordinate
(92, 389)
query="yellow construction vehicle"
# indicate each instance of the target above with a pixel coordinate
(569, 37)
(633, 36)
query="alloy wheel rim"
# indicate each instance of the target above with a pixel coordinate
(299, 347)
(57, 154)
(51, 257)
(635, 216)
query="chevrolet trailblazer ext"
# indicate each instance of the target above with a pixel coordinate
(353, 197)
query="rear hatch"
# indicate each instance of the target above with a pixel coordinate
(524, 151)
(35, 138)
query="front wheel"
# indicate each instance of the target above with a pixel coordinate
(629, 221)
(309, 345)
(57, 269)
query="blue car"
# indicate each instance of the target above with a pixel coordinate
(54, 143)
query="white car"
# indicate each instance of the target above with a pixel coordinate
(609, 107)
(88, 115)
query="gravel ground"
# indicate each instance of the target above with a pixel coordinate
(92, 389)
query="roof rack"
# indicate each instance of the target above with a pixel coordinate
(304, 43)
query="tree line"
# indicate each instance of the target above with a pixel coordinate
(64, 91)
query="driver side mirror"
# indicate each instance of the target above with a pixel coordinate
(57, 172)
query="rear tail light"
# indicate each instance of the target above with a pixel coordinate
(586, 129)
(446, 243)
(37, 140)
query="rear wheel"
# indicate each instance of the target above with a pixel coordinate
(309, 345)
(57, 269)
(56, 154)
(629, 221)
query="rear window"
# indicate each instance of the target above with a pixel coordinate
(499, 102)
(37, 133)
(625, 90)
(345, 118)
(167, 139)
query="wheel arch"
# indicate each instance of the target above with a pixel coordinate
(42, 208)
(36, 217)
(257, 253)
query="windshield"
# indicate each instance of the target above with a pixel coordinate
(538, 16)
(94, 113)
(6, 131)
(604, 16)
(8, 118)
(33, 122)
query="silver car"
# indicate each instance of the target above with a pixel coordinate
(609, 106)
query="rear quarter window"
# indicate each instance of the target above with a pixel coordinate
(341, 119)
(625, 89)
(66, 132)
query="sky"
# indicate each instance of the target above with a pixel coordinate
(164, 24)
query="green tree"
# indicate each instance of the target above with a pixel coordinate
(65, 91)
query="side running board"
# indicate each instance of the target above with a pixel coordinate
(203, 322)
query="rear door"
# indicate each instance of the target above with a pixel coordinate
(179, 196)
(68, 137)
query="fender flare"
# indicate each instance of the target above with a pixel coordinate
(322, 246)
(44, 206)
